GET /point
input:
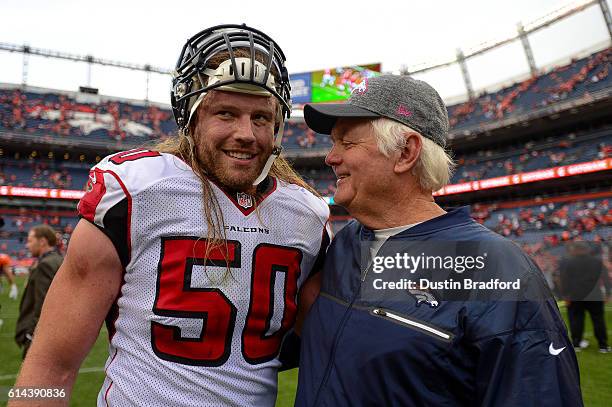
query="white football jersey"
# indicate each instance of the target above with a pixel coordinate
(185, 331)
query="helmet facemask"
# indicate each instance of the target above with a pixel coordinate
(261, 72)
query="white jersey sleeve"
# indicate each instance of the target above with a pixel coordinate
(306, 206)
(108, 198)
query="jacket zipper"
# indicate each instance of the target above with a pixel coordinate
(411, 323)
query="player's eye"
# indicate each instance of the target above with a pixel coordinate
(224, 114)
(262, 119)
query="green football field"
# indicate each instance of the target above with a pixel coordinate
(595, 368)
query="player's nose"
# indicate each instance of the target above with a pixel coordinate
(243, 130)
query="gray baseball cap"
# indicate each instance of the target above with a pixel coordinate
(401, 98)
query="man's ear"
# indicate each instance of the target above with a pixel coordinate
(409, 154)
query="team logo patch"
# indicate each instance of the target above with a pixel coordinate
(361, 88)
(244, 200)
(91, 182)
(424, 297)
(403, 111)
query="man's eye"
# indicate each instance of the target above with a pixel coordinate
(224, 113)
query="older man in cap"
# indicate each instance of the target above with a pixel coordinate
(420, 306)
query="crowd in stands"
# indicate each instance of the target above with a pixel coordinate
(578, 79)
(39, 173)
(300, 136)
(323, 179)
(591, 70)
(533, 155)
(61, 115)
(483, 164)
(58, 115)
(555, 222)
(543, 231)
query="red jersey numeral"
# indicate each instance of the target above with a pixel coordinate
(268, 261)
(132, 155)
(176, 298)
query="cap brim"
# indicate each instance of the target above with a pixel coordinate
(322, 118)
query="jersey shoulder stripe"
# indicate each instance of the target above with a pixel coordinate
(139, 168)
(113, 183)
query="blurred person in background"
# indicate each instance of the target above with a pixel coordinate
(5, 269)
(42, 245)
(585, 285)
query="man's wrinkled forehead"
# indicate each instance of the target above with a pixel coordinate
(350, 127)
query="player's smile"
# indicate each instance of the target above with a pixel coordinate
(241, 159)
(234, 136)
(239, 155)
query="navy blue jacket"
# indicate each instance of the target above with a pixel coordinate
(357, 352)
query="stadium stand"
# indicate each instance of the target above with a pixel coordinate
(553, 222)
(38, 173)
(538, 224)
(580, 77)
(52, 114)
(534, 154)
(485, 163)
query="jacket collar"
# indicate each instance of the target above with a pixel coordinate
(453, 217)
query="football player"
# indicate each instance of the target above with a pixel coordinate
(5, 268)
(194, 251)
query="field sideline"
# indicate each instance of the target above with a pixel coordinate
(595, 368)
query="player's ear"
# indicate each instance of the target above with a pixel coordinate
(408, 155)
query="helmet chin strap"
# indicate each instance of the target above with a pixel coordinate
(278, 139)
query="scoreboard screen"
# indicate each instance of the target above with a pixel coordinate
(337, 83)
(334, 84)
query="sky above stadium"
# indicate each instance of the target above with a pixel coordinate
(314, 34)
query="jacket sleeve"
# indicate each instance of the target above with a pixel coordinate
(44, 276)
(564, 278)
(289, 354)
(606, 279)
(533, 365)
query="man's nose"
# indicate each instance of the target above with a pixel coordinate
(333, 157)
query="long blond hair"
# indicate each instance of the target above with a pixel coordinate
(184, 147)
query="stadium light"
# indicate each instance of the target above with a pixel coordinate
(25, 49)
(529, 28)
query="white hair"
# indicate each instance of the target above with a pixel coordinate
(434, 166)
